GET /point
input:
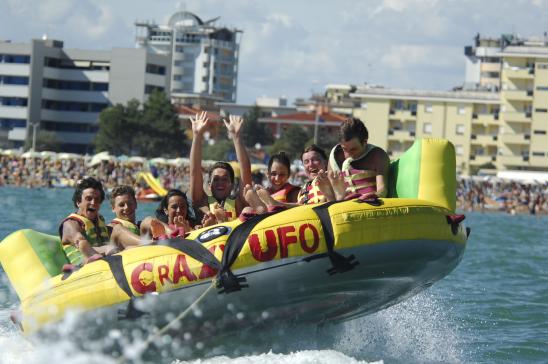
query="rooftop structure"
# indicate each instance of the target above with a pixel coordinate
(203, 56)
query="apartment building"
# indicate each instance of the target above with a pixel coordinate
(395, 118)
(44, 86)
(203, 56)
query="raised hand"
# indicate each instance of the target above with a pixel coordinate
(200, 123)
(234, 125)
(337, 182)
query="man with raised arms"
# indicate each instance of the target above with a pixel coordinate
(221, 174)
(355, 166)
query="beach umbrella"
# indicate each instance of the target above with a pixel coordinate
(31, 154)
(101, 157)
(258, 167)
(11, 152)
(47, 154)
(136, 159)
(68, 156)
(158, 160)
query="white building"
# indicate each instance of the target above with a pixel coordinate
(204, 57)
(63, 91)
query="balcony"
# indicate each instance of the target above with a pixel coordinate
(518, 95)
(516, 139)
(485, 119)
(403, 114)
(401, 135)
(521, 73)
(514, 160)
(484, 139)
(478, 160)
(518, 117)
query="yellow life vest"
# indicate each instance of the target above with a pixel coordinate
(95, 234)
(310, 194)
(229, 205)
(127, 224)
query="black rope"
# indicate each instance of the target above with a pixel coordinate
(226, 280)
(340, 263)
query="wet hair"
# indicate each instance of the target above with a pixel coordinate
(223, 165)
(120, 191)
(160, 210)
(314, 148)
(83, 184)
(353, 128)
(282, 158)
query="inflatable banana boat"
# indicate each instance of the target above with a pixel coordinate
(312, 263)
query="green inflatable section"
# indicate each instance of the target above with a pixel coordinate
(48, 249)
(405, 173)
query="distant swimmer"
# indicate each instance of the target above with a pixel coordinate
(220, 204)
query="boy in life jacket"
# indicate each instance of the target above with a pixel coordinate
(220, 205)
(84, 235)
(124, 204)
(355, 166)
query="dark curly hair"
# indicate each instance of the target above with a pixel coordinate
(83, 184)
(223, 165)
(282, 158)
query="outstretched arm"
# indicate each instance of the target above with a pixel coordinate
(200, 124)
(234, 126)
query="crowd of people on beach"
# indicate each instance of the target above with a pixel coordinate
(495, 194)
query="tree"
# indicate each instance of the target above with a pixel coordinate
(45, 140)
(119, 127)
(151, 131)
(293, 140)
(218, 151)
(253, 131)
(161, 132)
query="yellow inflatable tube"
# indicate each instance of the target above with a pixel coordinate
(426, 229)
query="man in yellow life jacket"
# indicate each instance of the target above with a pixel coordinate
(221, 174)
(124, 205)
(84, 235)
(355, 166)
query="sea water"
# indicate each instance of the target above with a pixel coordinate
(493, 308)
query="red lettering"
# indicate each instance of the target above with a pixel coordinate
(181, 269)
(302, 238)
(163, 273)
(137, 283)
(206, 270)
(285, 239)
(256, 249)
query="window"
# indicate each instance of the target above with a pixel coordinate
(459, 150)
(461, 110)
(14, 58)
(427, 128)
(428, 107)
(538, 154)
(14, 80)
(8, 124)
(539, 132)
(155, 69)
(541, 110)
(459, 129)
(177, 77)
(542, 88)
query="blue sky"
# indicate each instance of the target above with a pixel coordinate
(290, 47)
